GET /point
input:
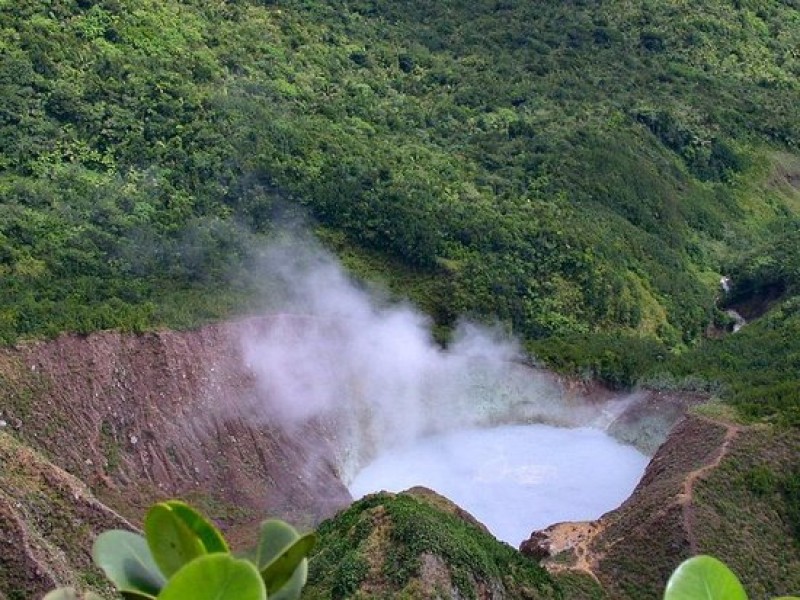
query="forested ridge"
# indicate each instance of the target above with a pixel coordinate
(581, 172)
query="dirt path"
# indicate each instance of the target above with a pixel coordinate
(578, 537)
(575, 536)
(686, 497)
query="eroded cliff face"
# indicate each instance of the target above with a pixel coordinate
(712, 488)
(138, 418)
(48, 520)
(167, 414)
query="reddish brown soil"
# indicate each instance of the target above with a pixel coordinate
(167, 414)
(653, 530)
(47, 523)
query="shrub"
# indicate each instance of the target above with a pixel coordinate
(183, 556)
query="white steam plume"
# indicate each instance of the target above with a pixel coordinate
(330, 351)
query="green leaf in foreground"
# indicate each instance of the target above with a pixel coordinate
(704, 578)
(293, 588)
(281, 569)
(210, 536)
(171, 540)
(275, 537)
(126, 560)
(215, 577)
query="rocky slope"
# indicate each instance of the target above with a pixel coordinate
(166, 414)
(95, 428)
(48, 519)
(710, 489)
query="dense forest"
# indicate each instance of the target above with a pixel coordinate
(582, 173)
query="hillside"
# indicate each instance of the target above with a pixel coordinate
(94, 429)
(563, 169)
(570, 171)
(167, 414)
(48, 518)
(711, 483)
(580, 174)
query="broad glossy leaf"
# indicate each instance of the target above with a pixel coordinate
(171, 541)
(215, 576)
(70, 594)
(704, 578)
(274, 537)
(292, 589)
(281, 569)
(210, 536)
(126, 560)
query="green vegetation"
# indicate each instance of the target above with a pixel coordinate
(705, 578)
(406, 546)
(618, 359)
(755, 369)
(770, 270)
(573, 168)
(751, 497)
(184, 556)
(766, 483)
(581, 173)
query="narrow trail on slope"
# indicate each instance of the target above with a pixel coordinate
(578, 537)
(686, 497)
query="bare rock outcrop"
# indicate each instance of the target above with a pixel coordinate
(48, 520)
(691, 500)
(168, 414)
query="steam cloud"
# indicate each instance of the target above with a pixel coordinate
(514, 478)
(334, 352)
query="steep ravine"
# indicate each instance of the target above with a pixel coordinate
(168, 414)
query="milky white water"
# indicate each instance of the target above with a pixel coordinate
(515, 478)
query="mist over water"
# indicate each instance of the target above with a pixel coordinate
(514, 478)
(366, 369)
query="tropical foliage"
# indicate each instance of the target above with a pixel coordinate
(183, 556)
(574, 171)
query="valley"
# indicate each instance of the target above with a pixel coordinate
(416, 217)
(170, 414)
